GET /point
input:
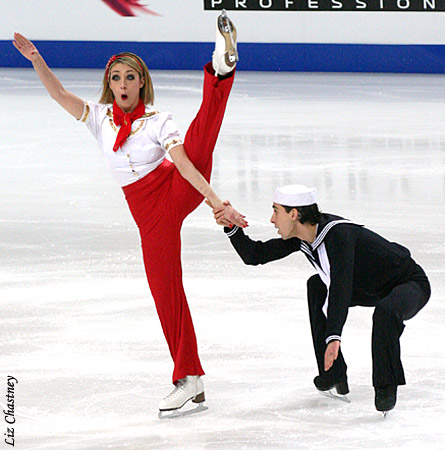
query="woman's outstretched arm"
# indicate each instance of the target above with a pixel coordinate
(195, 178)
(70, 102)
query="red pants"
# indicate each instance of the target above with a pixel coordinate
(159, 204)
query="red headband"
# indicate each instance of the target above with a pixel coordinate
(121, 55)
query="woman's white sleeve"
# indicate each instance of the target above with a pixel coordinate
(92, 117)
(167, 131)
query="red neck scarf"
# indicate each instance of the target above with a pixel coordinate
(125, 120)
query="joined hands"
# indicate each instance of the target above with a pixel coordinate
(225, 215)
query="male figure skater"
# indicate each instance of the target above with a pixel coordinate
(355, 267)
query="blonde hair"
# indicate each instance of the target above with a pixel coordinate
(146, 92)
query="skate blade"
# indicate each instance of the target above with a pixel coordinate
(228, 31)
(331, 394)
(384, 414)
(181, 412)
(224, 23)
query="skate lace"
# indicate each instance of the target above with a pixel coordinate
(175, 393)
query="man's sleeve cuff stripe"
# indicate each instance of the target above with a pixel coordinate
(333, 338)
(232, 231)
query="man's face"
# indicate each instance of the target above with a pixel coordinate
(284, 221)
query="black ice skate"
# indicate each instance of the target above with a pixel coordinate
(327, 389)
(385, 398)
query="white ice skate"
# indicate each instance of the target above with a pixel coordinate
(188, 388)
(225, 55)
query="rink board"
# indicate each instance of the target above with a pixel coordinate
(254, 56)
(275, 35)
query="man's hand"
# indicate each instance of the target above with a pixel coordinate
(331, 354)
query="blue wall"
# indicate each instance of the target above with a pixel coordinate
(254, 56)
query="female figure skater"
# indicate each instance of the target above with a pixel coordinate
(135, 140)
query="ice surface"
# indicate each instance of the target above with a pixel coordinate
(78, 326)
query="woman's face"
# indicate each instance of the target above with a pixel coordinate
(125, 84)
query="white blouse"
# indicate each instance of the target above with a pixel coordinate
(151, 137)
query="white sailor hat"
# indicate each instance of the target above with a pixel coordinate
(295, 195)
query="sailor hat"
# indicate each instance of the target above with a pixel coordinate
(295, 195)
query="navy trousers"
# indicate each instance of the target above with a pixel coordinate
(402, 303)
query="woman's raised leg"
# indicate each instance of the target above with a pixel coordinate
(201, 137)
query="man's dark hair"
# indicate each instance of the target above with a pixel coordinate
(309, 213)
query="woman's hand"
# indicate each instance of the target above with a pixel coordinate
(233, 216)
(70, 102)
(25, 46)
(227, 216)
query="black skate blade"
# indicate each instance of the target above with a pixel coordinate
(384, 414)
(335, 396)
(181, 412)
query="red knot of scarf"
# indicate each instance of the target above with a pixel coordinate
(125, 120)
